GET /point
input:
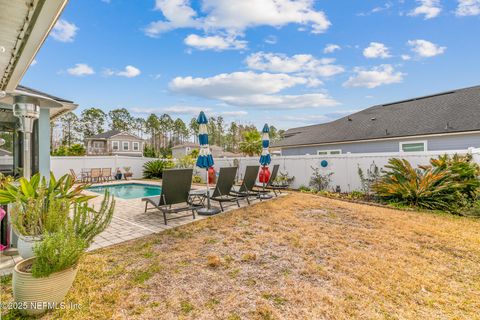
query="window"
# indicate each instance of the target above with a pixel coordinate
(136, 146)
(115, 146)
(125, 145)
(413, 146)
(98, 144)
(327, 152)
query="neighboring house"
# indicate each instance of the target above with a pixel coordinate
(115, 142)
(186, 148)
(443, 121)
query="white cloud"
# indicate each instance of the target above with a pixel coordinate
(468, 8)
(217, 43)
(236, 17)
(425, 49)
(428, 8)
(310, 100)
(234, 84)
(301, 64)
(128, 72)
(34, 62)
(405, 57)
(250, 89)
(376, 50)
(64, 31)
(376, 76)
(329, 48)
(81, 69)
(238, 113)
(386, 6)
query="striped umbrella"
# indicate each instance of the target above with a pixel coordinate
(265, 158)
(205, 160)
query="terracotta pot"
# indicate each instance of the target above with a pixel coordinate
(25, 246)
(35, 296)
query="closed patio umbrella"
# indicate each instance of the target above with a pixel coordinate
(265, 158)
(205, 160)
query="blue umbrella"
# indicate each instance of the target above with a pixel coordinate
(265, 158)
(205, 159)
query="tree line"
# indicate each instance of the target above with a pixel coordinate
(161, 132)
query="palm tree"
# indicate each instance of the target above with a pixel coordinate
(252, 143)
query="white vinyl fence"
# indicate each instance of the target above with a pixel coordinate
(344, 166)
(62, 165)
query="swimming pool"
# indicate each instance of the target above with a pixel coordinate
(129, 190)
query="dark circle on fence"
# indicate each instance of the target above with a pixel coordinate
(324, 163)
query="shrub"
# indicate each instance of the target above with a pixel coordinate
(64, 243)
(186, 161)
(197, 179)
(38, 206)
(56, 252)
(447, 184)
(283, 179)
(154, 169)
(149, 152)
(368, 180)
(320, 181)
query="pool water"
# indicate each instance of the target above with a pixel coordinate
(128, 190)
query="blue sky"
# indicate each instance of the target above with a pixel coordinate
(288, 63)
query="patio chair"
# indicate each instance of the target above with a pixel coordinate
(246, 189)
(270, 184)
(175, 190)
(95, 175)
(75, 177)
(107, 174)
(222, 192)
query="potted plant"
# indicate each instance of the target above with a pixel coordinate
(42, 282)
(30, 211)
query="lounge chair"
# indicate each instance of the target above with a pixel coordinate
(107, 174)
(82, 178)
(246, 189)
(222, 192)
(270, 184)
(95, 174)
(175, 190)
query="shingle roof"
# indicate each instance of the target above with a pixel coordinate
(40, 93)
(109, 134)
(446, 112)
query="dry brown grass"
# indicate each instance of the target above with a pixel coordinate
(298, 257)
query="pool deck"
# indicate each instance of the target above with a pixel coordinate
(130, 221)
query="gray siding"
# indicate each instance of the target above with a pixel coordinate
(439, 143)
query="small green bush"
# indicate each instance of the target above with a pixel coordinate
(197, 179)
(320, 181)
(56, 252)
(154, 169)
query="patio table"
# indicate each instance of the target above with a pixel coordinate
(197, 197)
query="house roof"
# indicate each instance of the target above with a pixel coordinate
(446, 112)
(111, 133)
